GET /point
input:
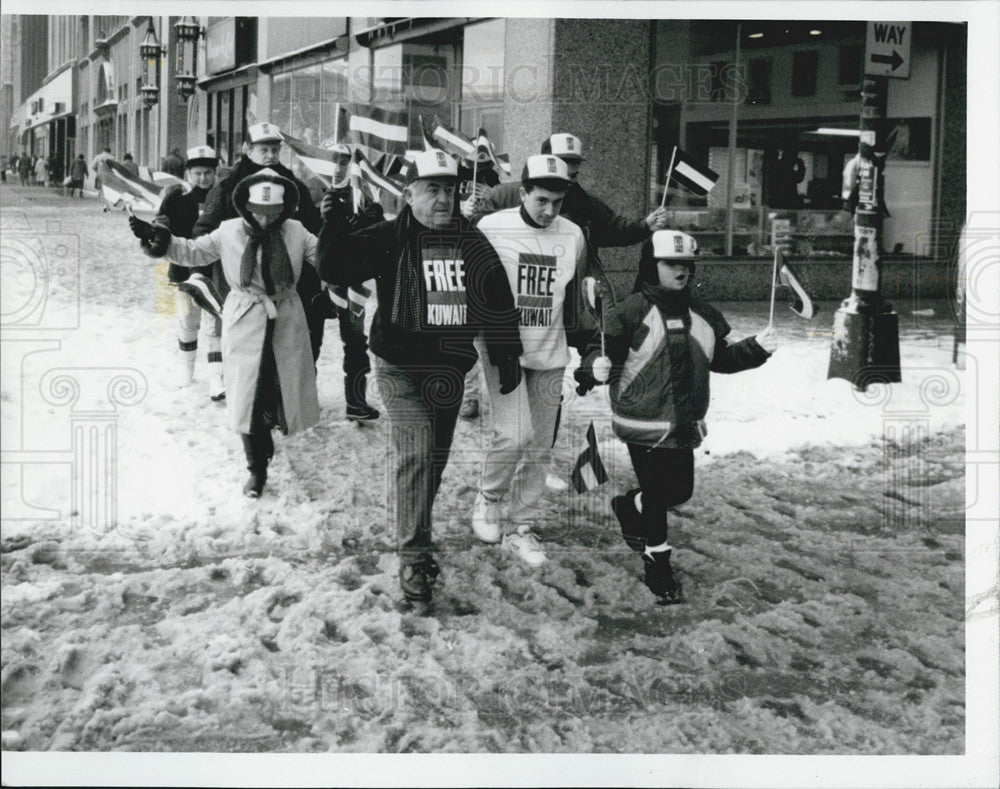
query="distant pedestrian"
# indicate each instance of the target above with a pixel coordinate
(24, 169)
(41, 171)
(130, 164)
(661, 343)
(78, 173)
(4, 164)
(102, 157)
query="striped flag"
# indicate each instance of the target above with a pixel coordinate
(589, 471)
(450, 140)
(375, 177)
(350, 301)
(121, 188)
(318, 160)
(690, 174)
(802, 303)
(382, 130)
(485, 153)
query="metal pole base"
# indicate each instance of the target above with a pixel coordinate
(865, 347)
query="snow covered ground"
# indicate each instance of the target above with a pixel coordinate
(822, 555)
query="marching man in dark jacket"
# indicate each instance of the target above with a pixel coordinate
(439, 283)
(661, 344)
(352, 329)
(179, 212)
(264, 140)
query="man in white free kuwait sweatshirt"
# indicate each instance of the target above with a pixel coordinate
(543, 254)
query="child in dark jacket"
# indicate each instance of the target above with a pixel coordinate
(661, 344)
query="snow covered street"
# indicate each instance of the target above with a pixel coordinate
(149, 606)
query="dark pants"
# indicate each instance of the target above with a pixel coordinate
(423, 407)
(356, 363)
(666, 479)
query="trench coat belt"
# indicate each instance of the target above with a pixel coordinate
(246, 299)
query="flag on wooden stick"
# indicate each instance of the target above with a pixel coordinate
(690, 174)
(589, 471)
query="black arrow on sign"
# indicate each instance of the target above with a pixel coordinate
(894, 59)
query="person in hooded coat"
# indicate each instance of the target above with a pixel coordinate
(264, 149)
(661, 343)
(266, 353)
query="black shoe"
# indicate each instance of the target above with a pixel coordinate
(362, 412)
(659, 577)
(258, 449)
(630, 519)
(417, 579)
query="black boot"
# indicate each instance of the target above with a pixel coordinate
(357, 406)
(417, 580)
(255, 449)
(659, 577)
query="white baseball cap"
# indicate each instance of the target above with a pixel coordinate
(201, 156)
(266, 197)
(264, 132)
(673, 245)
(566, 146)
(542, 167)
(432, 163)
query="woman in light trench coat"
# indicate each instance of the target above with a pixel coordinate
(266, 355)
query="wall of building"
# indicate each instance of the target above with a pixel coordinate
(601, 93)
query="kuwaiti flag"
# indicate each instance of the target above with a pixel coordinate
(203, 291)
(450, 140)
(485, 153)
(802, 304)
(121, 188)
(589, 471)
(382, 130)
(692, 175)
(375, 177)
(318, 160)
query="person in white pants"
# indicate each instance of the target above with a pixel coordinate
(543, 255)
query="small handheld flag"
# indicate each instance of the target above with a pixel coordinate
(383, 130)
(801, 304)
(589, 471)
(687, 172)
(202, 290)
(122, 188)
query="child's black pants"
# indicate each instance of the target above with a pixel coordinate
(666, 479)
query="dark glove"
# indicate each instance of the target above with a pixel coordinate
(585, 379)
(141, 229)
(509, 368)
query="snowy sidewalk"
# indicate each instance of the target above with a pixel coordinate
(822, 555)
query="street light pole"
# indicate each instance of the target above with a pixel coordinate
(865, 347)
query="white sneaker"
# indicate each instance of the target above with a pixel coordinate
(486, 519)
(526, 546)
(555, 484)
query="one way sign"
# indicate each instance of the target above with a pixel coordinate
(887, 49)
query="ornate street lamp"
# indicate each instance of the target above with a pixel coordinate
(186, 66)
(150, 53)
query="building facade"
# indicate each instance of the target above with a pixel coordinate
(631, 89)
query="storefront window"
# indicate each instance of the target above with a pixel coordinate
(304, 102)
(483, 79)
(419, 78)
